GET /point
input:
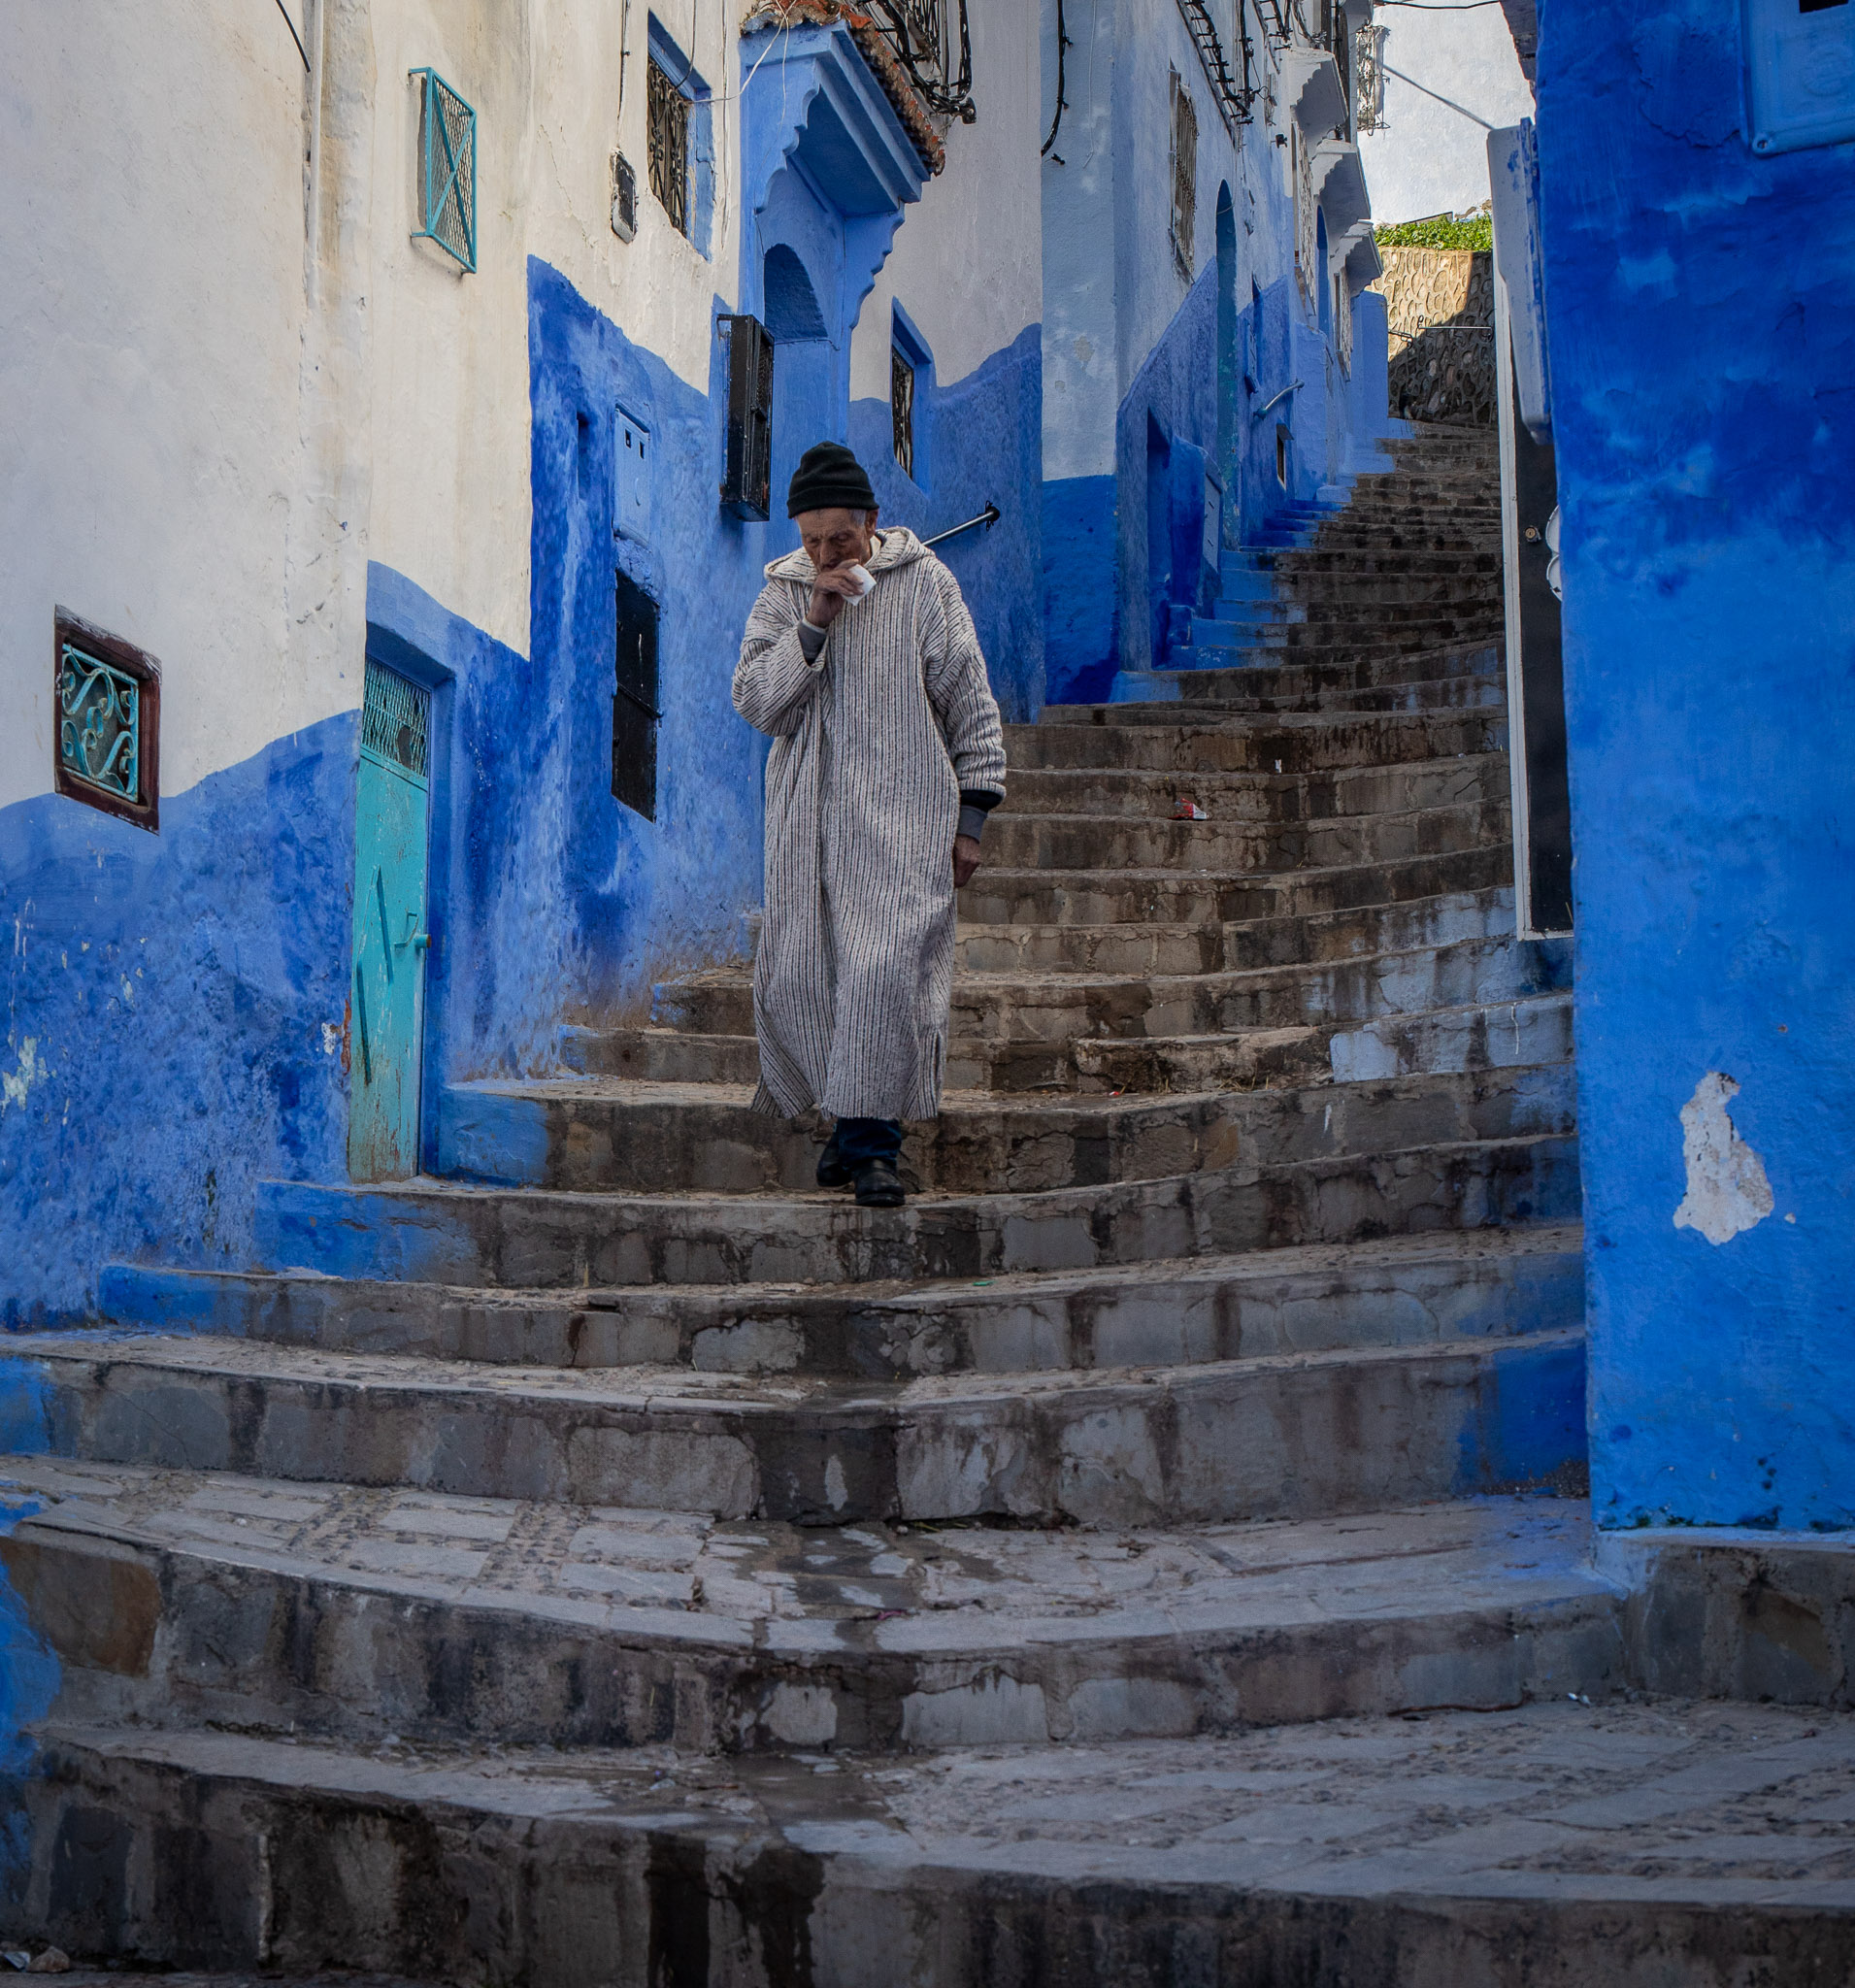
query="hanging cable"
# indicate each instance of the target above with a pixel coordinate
(294, 36)
(1062, 43)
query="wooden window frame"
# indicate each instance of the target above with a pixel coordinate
(145, 812)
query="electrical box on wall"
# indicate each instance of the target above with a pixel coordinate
(633, 463)
(1800, 72)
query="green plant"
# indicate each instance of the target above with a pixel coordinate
(1441, 231)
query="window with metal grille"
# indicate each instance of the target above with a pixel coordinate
(396, 721)
(901, 407)
(635, 715)
(108, 696)
(447, 169)
(667, 115)
(747, 477)
(1185, 174)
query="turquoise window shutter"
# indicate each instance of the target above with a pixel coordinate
(447, 169)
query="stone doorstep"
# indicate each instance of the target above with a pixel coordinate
(434, 1231)
(1359, 1853)
(176, 1598)
(1293, 1436)
(1404, 1291)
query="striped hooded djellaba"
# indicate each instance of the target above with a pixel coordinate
(872, 745)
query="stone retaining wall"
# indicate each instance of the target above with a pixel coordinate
(1440, 303)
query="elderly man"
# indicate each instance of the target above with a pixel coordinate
(861, 662)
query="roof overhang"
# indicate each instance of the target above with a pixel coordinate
(1339, 185)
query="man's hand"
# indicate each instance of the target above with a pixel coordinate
(966, 860)
(830, 589)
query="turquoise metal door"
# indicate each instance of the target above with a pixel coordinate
(387, 996)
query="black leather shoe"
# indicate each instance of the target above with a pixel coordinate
(880, 1185)
(832, 1170)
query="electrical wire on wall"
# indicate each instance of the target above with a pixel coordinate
(1062, 102)
(294, 36)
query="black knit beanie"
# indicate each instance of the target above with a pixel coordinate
(829, 478)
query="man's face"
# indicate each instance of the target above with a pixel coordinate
(837, 537)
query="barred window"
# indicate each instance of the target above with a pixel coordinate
(667, 112)
(901, 407)
(1185, 175)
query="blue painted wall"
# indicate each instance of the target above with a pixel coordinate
(983, 444)
(174, 1003)
(1702, 304)
(173, 1017)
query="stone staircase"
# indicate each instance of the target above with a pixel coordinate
(617, 1561)
(1410, 566)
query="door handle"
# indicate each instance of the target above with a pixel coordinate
(419, 941)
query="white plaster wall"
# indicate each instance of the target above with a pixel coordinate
(450, 395)
(964, 265)
(1429, 158)
(152, 313)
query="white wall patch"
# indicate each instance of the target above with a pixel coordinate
(1727, 1191)
(13, 1088)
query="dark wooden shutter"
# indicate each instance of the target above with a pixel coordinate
(745, 488)
(634, 703)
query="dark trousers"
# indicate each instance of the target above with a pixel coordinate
(859, 1140)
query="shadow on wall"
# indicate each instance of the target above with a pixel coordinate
(1440, 305)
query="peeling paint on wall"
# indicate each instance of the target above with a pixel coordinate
(1727, 1191)
(30, 1071)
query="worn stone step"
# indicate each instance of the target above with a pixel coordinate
(1052, 1009)
(1622, 1842)
(437, 1231)
(1280, 1436)
(1123, 792)
(1525, 1033)
(1118, 843)
(1133, 734)
(1188, 949)
(1405, 1290)
(1286, 678)
(660, 1056)
(610, 1133)
(1001, 896)
(1521, 1033)
(1231, 667)
(364, 1616)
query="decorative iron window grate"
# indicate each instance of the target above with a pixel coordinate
(1369, 79)
(108, 707)
(667, 116)
(747, 484)
(923, 34)
(902, 409)
(396, 721)
(1185, 174)
(447, 169)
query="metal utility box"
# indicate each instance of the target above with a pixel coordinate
(1800, 72)
(633, 463)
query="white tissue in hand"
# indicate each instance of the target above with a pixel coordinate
(860, 578)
